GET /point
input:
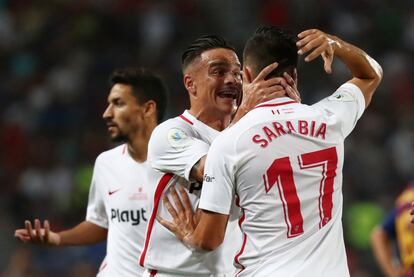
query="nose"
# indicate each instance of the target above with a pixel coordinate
(232, 78)
(107, 113)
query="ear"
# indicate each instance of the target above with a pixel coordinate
(150, 109)
(247, 74)
(190, 84)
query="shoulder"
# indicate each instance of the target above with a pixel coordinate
(175, 123)
(226, 139)
(172, 133)
(109, 155)
(346, 93)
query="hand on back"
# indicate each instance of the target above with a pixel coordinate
(184, 219)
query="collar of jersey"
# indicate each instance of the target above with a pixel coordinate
(276, 102)
(126, 154)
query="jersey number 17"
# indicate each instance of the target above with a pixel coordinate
(280, 173)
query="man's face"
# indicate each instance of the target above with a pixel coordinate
(123, 114)
(217, 79)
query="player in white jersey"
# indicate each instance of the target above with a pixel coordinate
(177, 150)
(118, 197)
(283, 163)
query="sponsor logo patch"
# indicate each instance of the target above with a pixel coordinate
(177, 137)
(341, 96)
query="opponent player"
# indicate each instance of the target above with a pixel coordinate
(396, 228)
(117, 207)
(283, 162)
(177, 149)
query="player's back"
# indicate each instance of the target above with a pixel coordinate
(287, 160)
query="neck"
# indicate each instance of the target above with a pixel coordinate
(215, 120)
(138, 143)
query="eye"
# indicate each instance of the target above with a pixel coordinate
(118, 103)
(218, 72)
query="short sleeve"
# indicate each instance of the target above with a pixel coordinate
(347, 103)
(217, 194)
(388, 224)
(96, 213)
(173, 149)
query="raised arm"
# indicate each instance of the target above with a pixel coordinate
(82, 234)
(366, 72)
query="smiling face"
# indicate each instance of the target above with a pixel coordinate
(214, 81)
(123, 114)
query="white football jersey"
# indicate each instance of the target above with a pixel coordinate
(175, 146)
(118, 201)
(283, 161)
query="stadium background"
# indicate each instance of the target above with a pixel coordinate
(56, 57)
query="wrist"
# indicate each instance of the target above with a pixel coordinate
(55, 239)
(188, 242)
(241, 111)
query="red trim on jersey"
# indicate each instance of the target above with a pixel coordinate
(153, 272)
(275, 104)
(241, 220)
(124, 149)
(186, 119)
(165, 179)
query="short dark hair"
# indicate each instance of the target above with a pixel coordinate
(145, 86)
(270, 44)
(200, 45)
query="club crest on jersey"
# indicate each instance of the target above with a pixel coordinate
(341, 96)
(177, 137)
(138, 195)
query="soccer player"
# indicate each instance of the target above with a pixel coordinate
(117, 207)
(177, 150)
(283, 163)
(396, 227)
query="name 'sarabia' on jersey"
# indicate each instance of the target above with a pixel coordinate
(175, 146)
(118, 201)
(283, 162)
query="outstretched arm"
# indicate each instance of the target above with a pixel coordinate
(366, 72)
(82, 234)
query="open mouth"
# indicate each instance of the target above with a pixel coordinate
(231, 94)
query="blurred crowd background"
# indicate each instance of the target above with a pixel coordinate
(55, 60)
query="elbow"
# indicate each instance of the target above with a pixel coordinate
(377, 70)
